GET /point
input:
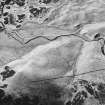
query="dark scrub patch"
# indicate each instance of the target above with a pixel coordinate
(4, 86)
(7, 2)
(6, 20)
(96, 90)
(101, 97)
(48, 1)
(20, 2)
(20, 18)
(5, 14)
(89, 89)
(103, 49)
(7, 68)
(101, 87)
(79, 98)
(7, 100)
(55, 1)
(2, 27)
(8, 7)
(7, 73)
(97, 36)
(2, 3)
(45, 1)
(100, 93)
(2, 93)
(1, 9)
(36, 12)
(87, 86)
(69, 103)
(18, 26)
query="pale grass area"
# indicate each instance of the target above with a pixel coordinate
(79, 12)
(91, 59)
(45, 61)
